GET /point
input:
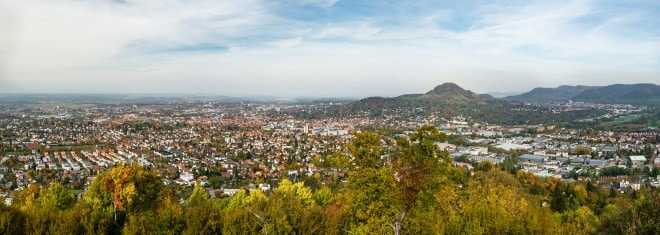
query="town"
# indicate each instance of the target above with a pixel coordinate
(228, 146)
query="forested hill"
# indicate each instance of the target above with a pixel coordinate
(544, 95)
(450, 100)
(448, 97)
(641, 94)
(646, 94)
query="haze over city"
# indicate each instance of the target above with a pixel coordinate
(323, 47)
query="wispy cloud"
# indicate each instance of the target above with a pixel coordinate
(356, 30)
(286, 43)
(370, 47)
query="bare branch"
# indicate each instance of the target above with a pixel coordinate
(263, 222)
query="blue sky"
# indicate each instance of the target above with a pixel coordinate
(329, 48)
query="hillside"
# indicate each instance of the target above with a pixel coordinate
(545, 95)
(641, 94)
(448, 97)
(450, 100)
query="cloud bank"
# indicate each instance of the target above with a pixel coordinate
(323, 47)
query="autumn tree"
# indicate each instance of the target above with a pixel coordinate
(56, 197)
(582, 150)
(201, 215)
(384, 188)
(366, 150)
(12, 220)
(417, 167)
(199, 195)
(579, 221)
(38, 218)
(370, 186)
(496, 204)
(627, 215)
(127, 188)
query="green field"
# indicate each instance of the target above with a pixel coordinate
(627, 119)
(16, 153)
(654, 123)
(624, 121)
(69, 148)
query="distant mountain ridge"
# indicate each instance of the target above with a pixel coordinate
(641, 94)
(497, 94)
(544, 95)
(449, 100)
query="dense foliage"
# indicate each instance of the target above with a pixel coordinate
(412, 189)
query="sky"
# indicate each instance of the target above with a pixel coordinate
(323, 48)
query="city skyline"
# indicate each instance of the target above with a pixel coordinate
(323, 48)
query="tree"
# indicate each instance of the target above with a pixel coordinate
(56, 197)
(263, 222)
(297, 190)
(380, 192)
(366, 150)
(199, 195)
(369, 186)
(170, 219)
(417, 167)
(203, 218)
(559, 202)
(116, 182)
(128, 189)
(38, 218)
(200, 217)
(582, 150)
(28, 198)
(12, 220)
(237, 200)
(239, 221)
(580, 221)
(323, 196)
(632, 216)
(495, 204)
(142, 223)
(339, 160)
